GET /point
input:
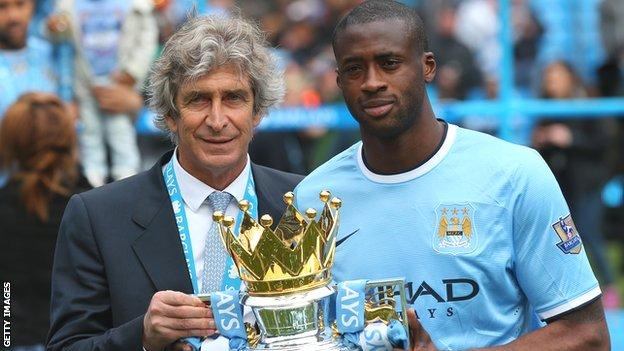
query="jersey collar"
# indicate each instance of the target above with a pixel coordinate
(416, 172)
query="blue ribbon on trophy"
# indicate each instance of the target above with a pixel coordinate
(228, 316)
(350, 306)
(351, 321)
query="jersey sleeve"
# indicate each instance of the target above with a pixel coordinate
(550, 262)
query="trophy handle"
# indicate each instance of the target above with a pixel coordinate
(253, 336)
(387, 301)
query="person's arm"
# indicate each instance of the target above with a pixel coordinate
(139, 42)
(550, 264)
(118, 98)
(584, 329)
(81, 317)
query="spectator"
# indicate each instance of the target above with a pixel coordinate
(527, 32)
(38, 150)
(612, 29)
(478, 28)
(612, 32)
(115, 42)
(302, 29)
(171, 14)
(282, 150)
(304, 150)
(457, 72)
(575, 151)
(25, 61)
(610, 84)
(43, 9)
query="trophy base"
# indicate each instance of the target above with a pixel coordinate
(295, 322)
(305, 345)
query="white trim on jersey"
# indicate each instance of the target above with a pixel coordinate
(572, 304)
(414, 173)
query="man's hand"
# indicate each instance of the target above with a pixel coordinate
(560, 135)
(123, 78)
(419, 338)
(117, 98)
(57, 24)
(172, 315)
(73, 110)
(584, 329)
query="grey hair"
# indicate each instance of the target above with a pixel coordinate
(204, 44)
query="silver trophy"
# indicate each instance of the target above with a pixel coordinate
(287, 276)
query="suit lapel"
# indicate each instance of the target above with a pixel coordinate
(269, 200)
(159, 248)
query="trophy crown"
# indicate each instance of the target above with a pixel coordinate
(295, 256)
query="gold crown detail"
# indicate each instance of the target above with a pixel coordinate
(296, 256)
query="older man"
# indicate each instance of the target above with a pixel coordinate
(129, 253)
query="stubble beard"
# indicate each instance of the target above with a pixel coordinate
(405, 116)
(8, 42)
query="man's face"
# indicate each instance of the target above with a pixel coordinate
(216, 122)
(15, 16)
(382, 74)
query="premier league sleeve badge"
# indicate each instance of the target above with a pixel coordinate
(570, 240)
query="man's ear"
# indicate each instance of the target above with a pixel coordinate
(256, 120)
(338, 79)
(171, 124)
(429, 66)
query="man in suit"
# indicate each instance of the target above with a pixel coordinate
(126, 250)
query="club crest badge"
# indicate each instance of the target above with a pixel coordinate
(570, 240)
(455, 233)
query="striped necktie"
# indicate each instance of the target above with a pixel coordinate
(215, 255)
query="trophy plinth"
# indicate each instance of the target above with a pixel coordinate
(296, 321)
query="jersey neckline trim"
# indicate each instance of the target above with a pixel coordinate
(416, 172)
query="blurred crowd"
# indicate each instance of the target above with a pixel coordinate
(95, 55)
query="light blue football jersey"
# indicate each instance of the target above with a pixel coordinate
(480, 232)
(27, 70)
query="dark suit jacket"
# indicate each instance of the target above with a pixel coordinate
(117, 246)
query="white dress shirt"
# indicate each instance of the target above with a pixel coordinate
(194, 193)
